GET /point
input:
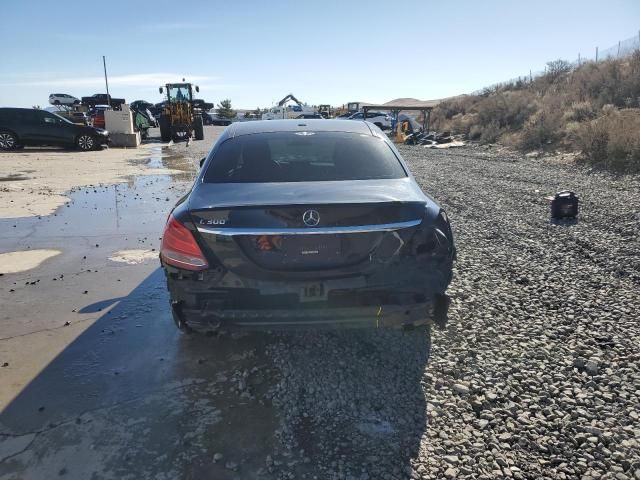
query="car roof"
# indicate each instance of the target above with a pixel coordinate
(298, 124)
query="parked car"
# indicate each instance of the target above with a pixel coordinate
(379, 119)
(156, 111)
(62, 99)
(215, 119)
(28, 126)
(103, 99)
(310, 224)
(141, 105)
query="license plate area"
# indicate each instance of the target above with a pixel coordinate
(314, 292)
(312, 247)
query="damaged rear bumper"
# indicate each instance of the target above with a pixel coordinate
(217, 299)
(341, 317)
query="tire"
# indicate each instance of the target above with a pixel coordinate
(198, 130)
(379, 125)
(165, 129)
(86, 142)
(8, 140)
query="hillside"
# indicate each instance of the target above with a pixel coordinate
(593, 109)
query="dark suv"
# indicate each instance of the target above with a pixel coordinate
(28, 126)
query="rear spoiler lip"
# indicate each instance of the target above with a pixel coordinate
(381, 227)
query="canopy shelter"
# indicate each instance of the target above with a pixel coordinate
(396, 109)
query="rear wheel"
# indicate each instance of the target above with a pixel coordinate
(86, 142)
(165, 129)
(8, 141)
(198, 129)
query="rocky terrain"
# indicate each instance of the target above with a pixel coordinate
(538, 372)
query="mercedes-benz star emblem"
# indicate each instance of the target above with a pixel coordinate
(311, 218)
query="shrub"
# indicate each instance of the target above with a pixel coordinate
(490, 133)
(580, 112)
(542, 129)
(475, 132)
(612, 140)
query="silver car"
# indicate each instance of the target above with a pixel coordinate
(63, 99)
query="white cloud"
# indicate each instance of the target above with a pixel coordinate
(131, 80)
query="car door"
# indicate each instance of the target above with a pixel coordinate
(55, 130)
(28, 126)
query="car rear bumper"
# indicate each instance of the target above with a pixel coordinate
(203, 302)
(398, 316)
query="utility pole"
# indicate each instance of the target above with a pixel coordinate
(578, 59)
(596, 54)
(106, 82)
(619, 48)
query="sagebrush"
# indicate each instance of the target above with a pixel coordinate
(593, 108)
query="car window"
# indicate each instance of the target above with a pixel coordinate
(303, 157)
(52, 118)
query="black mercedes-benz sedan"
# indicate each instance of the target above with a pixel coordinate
(296, 223)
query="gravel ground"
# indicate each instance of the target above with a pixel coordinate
(537, 374)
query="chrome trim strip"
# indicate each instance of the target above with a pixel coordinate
(383, 227)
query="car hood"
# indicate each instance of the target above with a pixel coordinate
(216, 195)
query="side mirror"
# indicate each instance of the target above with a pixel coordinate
(160, 89)
(197, 89)
(202, 160)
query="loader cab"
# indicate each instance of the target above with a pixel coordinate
(179, 92)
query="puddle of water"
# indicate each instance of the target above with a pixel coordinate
(134, 211)
(155, 161)
(163, 157)
(127, 210)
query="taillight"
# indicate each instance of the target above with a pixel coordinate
(436, 240)
(179, 248)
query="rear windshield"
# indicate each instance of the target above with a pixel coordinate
(303, 157)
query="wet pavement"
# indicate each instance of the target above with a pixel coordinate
(92, 361)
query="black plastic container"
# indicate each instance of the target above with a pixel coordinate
(564, 205)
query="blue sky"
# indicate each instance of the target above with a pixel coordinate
(329, 51)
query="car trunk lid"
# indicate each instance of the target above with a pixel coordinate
(304, 227)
